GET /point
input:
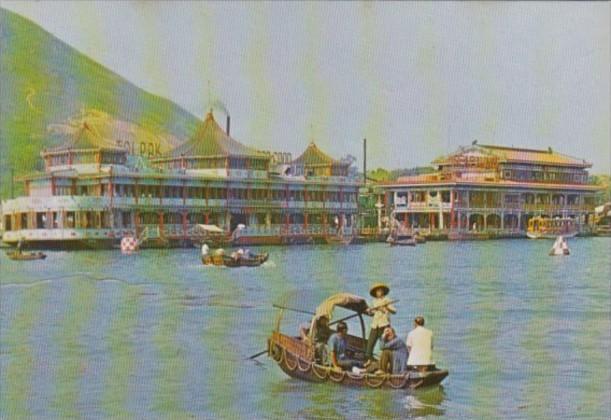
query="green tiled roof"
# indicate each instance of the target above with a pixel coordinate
(211, 140)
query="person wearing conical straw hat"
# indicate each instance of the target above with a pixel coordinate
(380, 309)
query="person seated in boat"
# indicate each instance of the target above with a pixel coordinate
(380, 309)
(318, 336)
(394, 353)
(419, 345)
(205, 250)
(338, 349)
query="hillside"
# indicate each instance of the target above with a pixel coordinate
(48, 88)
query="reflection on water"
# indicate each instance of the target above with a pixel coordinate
(156, 334)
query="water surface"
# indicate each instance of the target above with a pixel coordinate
(157, 335)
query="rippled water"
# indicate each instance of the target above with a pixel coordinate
(157, 335)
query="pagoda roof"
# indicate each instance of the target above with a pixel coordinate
(84, 137)
(313, 156)
(211, 140)
(516, 155)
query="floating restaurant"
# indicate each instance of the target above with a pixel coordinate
(483, 191)
(93, 192)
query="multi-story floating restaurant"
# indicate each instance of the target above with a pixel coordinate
(492, 189)
(92, 192)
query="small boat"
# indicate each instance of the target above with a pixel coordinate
(339, 240)
(219, 259)
(295, 356)
(250, 261)
(402, 240)
(547, 228)
(26, 256)
(419, 238)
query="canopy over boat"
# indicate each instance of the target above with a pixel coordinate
(344, 300)
(211, 228)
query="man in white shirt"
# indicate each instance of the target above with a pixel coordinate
(205, 250)
(420, 344)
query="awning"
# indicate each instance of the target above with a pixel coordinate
(344, 300)
(211, 228)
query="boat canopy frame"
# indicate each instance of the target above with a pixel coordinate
(326, 308)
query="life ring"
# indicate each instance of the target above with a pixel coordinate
(315, 368)
(286, 361)
(308, 365)
(403, 381)
(339, 379)
(374, 385)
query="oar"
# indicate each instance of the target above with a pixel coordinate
(293, 309)
(254, 356)
(359, 313)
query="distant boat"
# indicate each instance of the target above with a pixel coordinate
(339, 240)
(402, 240)
(26, 256)
(420, 239)
(547, 228)
(220, 259)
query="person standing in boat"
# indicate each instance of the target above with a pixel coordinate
(380, 309)
(420, 344)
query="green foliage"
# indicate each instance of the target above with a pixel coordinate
(605, 182)
(45, 81)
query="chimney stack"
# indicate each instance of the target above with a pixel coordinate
(228, 124)
(365, 161)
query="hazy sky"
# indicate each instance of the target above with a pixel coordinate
(416, 79)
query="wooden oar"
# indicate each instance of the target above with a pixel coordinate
(254, 356)
(359, 313)
(293, 309)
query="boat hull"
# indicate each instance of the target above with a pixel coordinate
(26, 256)
(304, 369)
(227, 261)
(550, 235)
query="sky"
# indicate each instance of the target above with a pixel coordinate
(418, 79)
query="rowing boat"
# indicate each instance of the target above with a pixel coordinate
(295, 356)
(26, 256)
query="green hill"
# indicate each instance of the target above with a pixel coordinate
(46, 83)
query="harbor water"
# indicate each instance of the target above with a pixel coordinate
(96, 334)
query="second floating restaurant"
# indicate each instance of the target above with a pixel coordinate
(492, 190)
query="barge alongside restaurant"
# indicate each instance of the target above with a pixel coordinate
(93, 192)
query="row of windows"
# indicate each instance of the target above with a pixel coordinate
(215, 163)
(561, 177)
(75, 159)
(155, 191)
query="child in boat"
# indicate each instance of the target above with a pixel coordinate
(380, 309)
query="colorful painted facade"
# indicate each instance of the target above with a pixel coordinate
(93, 192)
(493, 190)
